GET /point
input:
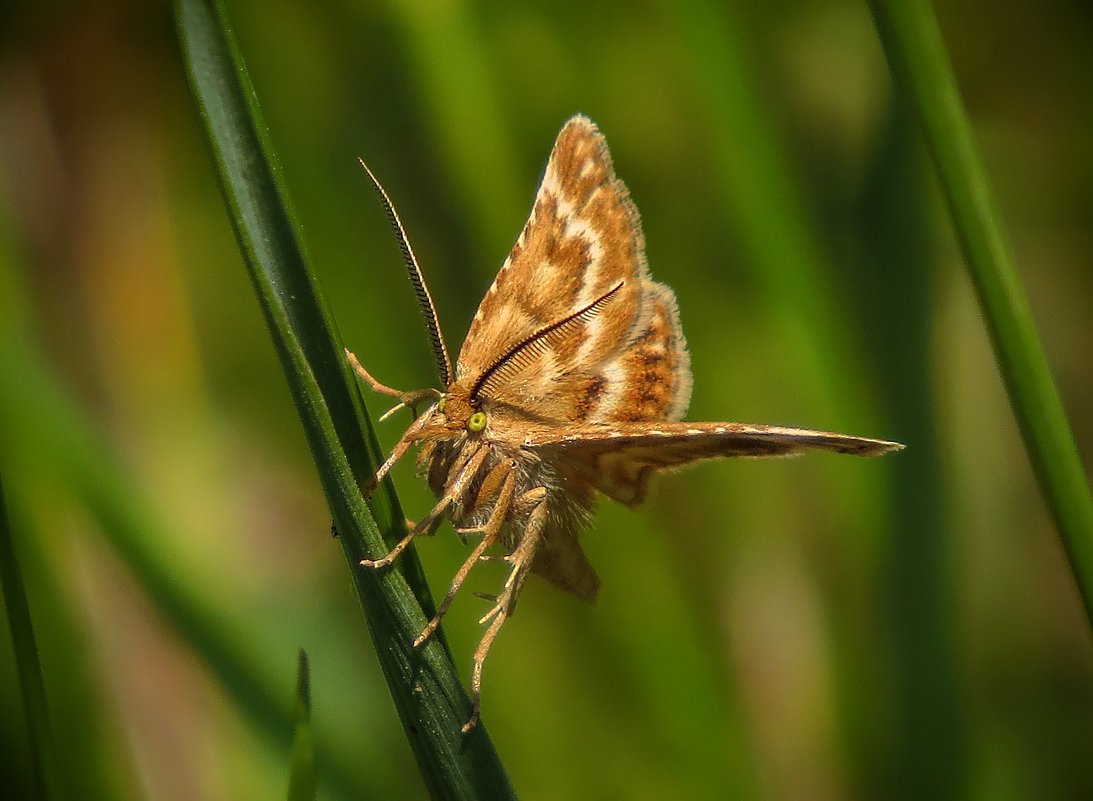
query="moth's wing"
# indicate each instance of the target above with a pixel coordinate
(561, 560)
(650, 380)
(583, 238)
(619, 460)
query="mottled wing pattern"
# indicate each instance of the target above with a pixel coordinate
(651, 380)
(583, 237)
(619, 460)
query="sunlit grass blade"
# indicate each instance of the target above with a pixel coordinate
(916, 53)
(302, 779)
(27, 664)
(424, 683)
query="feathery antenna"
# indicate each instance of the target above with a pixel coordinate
(424, 299)
(522, 351)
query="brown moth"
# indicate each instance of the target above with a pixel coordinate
(572, 382)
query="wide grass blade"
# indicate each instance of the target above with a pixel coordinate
(428, 695)
(927, 755)
(916, 53)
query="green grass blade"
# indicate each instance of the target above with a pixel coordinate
(927, 755)
(29, 667)
(916, 53)
(302, 780)
(95, 763)
(424, 683)
(760, 190)
(450, 57)
(56, 441)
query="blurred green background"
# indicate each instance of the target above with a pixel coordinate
(819, 628)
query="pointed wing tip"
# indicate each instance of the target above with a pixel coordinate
(580, 120)
(880, 447)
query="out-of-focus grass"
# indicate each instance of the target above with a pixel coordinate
(45, 436)
(918, 57)
(303, 782)
(395, 603)
(816, 628)
(892, 273)
(44, 758)
(42, 776)
(791, 264)
(446, 49)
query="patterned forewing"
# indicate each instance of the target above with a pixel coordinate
(619, 460)
(582, 238)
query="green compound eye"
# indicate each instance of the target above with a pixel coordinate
(440, 406)
(476, 422)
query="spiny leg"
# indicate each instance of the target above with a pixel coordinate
(423, 528)
(521, 505)
(521, 559)
(397, 453)
(490, 532)
(426, 525)
(488, 492)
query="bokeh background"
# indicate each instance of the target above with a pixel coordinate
(818, 628)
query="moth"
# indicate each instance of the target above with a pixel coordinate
(571, 383)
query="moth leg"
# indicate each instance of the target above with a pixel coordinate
(490, 532)
(521, 559)
(491, 486)
(424, 528)
(490, 490)
(397, 453)
(406, 399)
(521, 506)
(411, 525)
(428, 524)
(377, 387)
(443, 477)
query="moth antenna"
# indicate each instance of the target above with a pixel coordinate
(532, 344)
(424, 299)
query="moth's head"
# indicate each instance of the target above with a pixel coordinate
(459, 411)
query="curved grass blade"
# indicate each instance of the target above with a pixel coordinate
(27, 664)
(916, 54)
(430, 699)
(302, 779)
